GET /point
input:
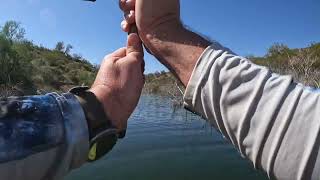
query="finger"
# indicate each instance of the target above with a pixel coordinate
(120, 53)
(125, 26)
(130, 17)
(134, 45)
(143, 67)
(134, 58)
(127, 5)
(122, 4)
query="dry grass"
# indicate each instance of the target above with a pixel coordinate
(6, 91)
(302, 66)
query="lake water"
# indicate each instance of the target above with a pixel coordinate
(166, 145)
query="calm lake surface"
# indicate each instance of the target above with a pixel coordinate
(166, 145)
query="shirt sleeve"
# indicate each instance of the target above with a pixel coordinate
(269, 118)
(42, 137)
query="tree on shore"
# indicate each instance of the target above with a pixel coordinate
(60, 46)
(13, 31)
(13, 67)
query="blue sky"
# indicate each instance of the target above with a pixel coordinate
(248, 27)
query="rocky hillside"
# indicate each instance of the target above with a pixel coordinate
(27, 68)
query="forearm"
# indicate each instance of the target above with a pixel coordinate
(269, 118)
(177, 48)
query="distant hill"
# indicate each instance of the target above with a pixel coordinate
(302, 63)
(163, 83)
(26, 68)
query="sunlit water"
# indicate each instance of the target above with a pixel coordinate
(166, 145)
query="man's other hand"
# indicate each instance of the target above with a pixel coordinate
(163, 34)
(152, 17)
(120, 80)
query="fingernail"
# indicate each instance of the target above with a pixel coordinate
(123, 24)
(130, 14)
(135, 38)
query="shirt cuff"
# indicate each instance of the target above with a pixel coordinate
(76, 129)
(197, 73)
(200, 73)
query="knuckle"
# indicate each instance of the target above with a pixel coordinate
(125, 5)
(106, 58)
(109, 58)
(122, 5)
(136, 57)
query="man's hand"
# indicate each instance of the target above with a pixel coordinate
(151, 15)
(160, 28)
(120, 80)
(153, 18)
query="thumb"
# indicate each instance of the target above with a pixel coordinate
(134, 44)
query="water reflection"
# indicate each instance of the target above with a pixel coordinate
(162, 144)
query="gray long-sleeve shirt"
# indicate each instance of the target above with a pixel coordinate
(270, 119)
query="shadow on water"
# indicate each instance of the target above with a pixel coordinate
(163, 143)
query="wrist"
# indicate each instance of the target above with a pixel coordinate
(176, 47)
(168, 23)
(102, 134)
(109, 102)
(154, 37)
